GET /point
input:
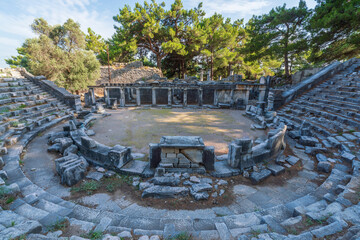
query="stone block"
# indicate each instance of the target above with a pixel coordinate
(240, 154)
(119, 156)
(324, 167)
(330, 229)
(154, 155)
(348, 157)
(209, 158)
(308, 141)
(292, 160)
(165, 192)
(201, 187)
(97, 176)
(193, 155)
(321, 157)
(276, 169)
(165, 181)
(334, 142)
(223, 231)
(88, 143)
(257, 177)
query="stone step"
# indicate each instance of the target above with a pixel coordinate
(13, 225)
(30, 212)
(52, 207)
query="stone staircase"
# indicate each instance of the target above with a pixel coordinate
(25, 109)
(332, 108)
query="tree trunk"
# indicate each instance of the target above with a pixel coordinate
(182, 69)
(287, 74)
(286, 60)
(158, 62)
(211, 67)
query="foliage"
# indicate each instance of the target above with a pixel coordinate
(93, 235)
(142, 27)
(185, 41)
(58, 225)
(88, 187)
(182, 236)
(59, 54)
(95, 42)
(220, 37)
(335, 30)
(280, 34)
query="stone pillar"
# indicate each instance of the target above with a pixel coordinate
(122, 97)
(169, 97)
(92, 95)
(153, 95)
(262, 90)
(200, 96)
(216, 99)
(246, 98)
(202, 75)
(231, 72)
(219, 78)
(208, 76)
(138, 100)
(232, 97)
(106, 96)
(270, 106)
(185, 97)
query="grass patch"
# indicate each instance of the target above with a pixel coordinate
(59, 225)
(106, 184)
(4, 110)
(309, 222)
(93, 235)
(255, 233)
(22, 237)
(6, 197)
(88, 187)
(181, 236)
(14, 124)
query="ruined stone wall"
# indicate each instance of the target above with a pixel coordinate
(302, 75)
(128, 73)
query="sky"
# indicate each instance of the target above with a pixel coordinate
(16, 16)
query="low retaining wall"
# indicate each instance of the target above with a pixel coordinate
(62, 94)
(243, 155)
(285, 97)
(96, 153)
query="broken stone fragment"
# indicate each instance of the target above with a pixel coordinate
(324, 167)
(165, 181)
(165, 192)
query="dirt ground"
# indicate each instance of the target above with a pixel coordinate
(137, 128)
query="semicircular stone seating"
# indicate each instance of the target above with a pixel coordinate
(331, 114)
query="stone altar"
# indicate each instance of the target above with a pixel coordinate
(181, 152)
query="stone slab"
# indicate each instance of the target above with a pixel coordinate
(134, 167)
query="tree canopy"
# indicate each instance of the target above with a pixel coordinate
(183, 42)
(59, 54)
(335, 30)
(280, 34)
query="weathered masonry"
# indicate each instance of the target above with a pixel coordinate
(180, 93)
